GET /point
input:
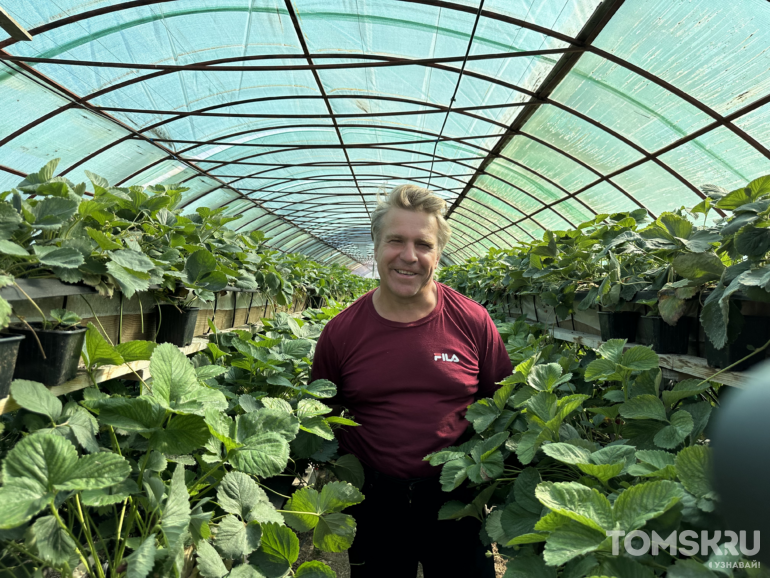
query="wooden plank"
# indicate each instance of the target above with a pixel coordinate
(684, 365)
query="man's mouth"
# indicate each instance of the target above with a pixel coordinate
(404, 272)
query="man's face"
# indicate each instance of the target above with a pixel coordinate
(407, 254)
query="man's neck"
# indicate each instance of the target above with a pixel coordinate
(399, 310)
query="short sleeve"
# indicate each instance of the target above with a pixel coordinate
(496, 364)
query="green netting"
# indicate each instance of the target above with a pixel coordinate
(517, 140)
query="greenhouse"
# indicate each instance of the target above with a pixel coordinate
(220, 224)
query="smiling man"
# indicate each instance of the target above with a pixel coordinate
(408, 358)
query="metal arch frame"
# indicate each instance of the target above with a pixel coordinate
(69, 94)
(721, 121)
(492, 209)
(467, 216)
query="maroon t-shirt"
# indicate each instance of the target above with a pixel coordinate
(409, 384)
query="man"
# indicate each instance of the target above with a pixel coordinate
(408, 358)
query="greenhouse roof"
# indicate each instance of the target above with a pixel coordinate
(525, 115)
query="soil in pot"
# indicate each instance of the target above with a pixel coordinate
(9, 350)
(618, 325)
(755, 333)
(62, 352)
(665, 338)
(176, 326)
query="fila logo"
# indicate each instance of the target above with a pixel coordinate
(445, 357)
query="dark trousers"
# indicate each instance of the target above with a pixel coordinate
(397, 526)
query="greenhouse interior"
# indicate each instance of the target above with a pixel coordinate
(228, 351)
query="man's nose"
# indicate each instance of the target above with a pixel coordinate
(409, 254)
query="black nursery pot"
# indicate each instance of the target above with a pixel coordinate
(663, 337)
(175, 327)
(756, 332)
(62, 352)
(9, 350)
(618, 324)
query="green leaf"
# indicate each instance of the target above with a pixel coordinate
(625, 567)
(13, 249)
(571, 540)
(689, 568)
(753, 242)
(109, 495)
(142, 561)
(612, 349)
(675, 225)
(321, 388)
(46, 460)
(36, 397)
(97, 351)
(95, 471)
(104, 241)
(236, 539)
(264, 454)
(65, 258)
(20, 500)
(644, 502)
(53, 543)
(138, 414)
(182, 435)
(132, 260)
(5, 313)
(644, 407)
(129, 281)
(694, 469)
(270, 420)
(52, 212)
(529, 565)
(317, 425)
(545, 377)
(334, 532)
(315, 569)
(673, 435)
(278, 551)
(210, 564)
(245, 571)
(567, 453)
(639, 358)
(600, 369)
(603, 472)
(683, 389)
(176, 512)
(584, 505)
(524, 490)
(200, 263)
(136, 350)
(237, 493)
(699, 267)
(482, 414)
(348, 468)
(658, 459)
(175, 384)
(10, 219)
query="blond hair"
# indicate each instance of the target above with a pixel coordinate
(412, 198)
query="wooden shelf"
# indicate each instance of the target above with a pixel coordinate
(82, 381)
(680, 366)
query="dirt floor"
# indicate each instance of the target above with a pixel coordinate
(339, 562)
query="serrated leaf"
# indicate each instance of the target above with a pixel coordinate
(235, 538)
(12, 249)
(176, 512)
(97, 351)
(210, 564)
(567, 453)
(603, 472)
(52, 212)
(20, 500)
(65, 258)
(129, 281)
(321, 388)
(109, 495)
(482, 414)
(639, 358)
(545, 377)
(264, 454)
(182, 435)
(643, 407)
(237, 493)
(317, 426)
(584, 505)
(315, 569)
(139, 414)
(278, 551)
(673, 435)
(53, 543)
(612, 350)
(683, 389)
(570, 541)
(600, 369)
(141, 562)
(699, 267)
(529, 565)
(36, 397)
(644, 502)
(348, 468)
(136, 350)
(96, 471)
(694, 469)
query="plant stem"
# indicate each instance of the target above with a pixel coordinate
(34, 334)
(752, 354)
(78, 548)
(89, 537)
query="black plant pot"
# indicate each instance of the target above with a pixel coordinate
(663, 337)
(756, 332)
(62, 352)
(9, 350)
(175, 327)
(618, 324)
